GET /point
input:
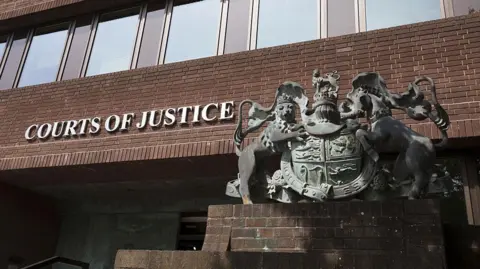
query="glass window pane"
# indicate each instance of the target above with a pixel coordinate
(390, 13)
(447, 180)
(13, 60)
(237, 26)
(152, 35)
(193, 31)
(287, 21)
(78, 48)
(2, 48)
(464, 7)
(114, 43)
(3, 45)
(44, 57)
(341, 17)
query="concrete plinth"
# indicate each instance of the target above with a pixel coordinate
(395, 234)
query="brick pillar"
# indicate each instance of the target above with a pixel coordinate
(404, 232)
(219, 226)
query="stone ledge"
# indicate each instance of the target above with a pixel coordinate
(279, 260)
(393, 208)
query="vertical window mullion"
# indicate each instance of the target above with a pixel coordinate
(166, 31)
(238, 26)
(164, 34)
(357, 16)
(254, 31)
(66, 50)
(223, 27)
(323, 18)
(447, 8)
(250, 24)
(30, 35)
(443, 13)
(138, 41)
(362, 15)
(91, 39)
(5, 53)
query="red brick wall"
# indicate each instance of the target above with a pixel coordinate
(446, 50)
(28, 227)
(15, 8)
(29, 13)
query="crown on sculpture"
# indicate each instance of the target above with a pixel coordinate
(326, 87)
(285, 98)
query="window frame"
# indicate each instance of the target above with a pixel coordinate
(30, 35)
(70, 42)
(5, 52)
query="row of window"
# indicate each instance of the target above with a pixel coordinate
(178, 30)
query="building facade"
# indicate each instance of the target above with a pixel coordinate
(118, 116)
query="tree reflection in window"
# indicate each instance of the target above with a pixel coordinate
(446, 183)
(446, 179)
(114, 42)
(44, 56)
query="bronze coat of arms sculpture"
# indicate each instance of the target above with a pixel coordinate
(329, 154)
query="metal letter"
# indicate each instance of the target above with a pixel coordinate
(29, 131)
(143, 123)
(116, 123)
(170, 114)
(127, 121)
(205, 112)
(43, 135)
(56, 134)
(83, 126)
(226, 110)
(196, 114)
(95, 125)
(70, 129)
(153, 116)
(184, 114)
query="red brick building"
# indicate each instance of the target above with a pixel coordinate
(81, 177)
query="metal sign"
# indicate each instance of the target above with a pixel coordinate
(115, 123)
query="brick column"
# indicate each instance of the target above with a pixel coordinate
(395, 231)
(219, 226)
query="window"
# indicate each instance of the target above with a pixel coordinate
(238, 21)
(446, 185)
(160, 32)
(114, 42)
(287, 21)
(152, 35)
(14, 58)
(78, 48)
(463, 7)
(193, 227)
(193, 31)
(341, 17)
(44, 56)
(390, 13)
